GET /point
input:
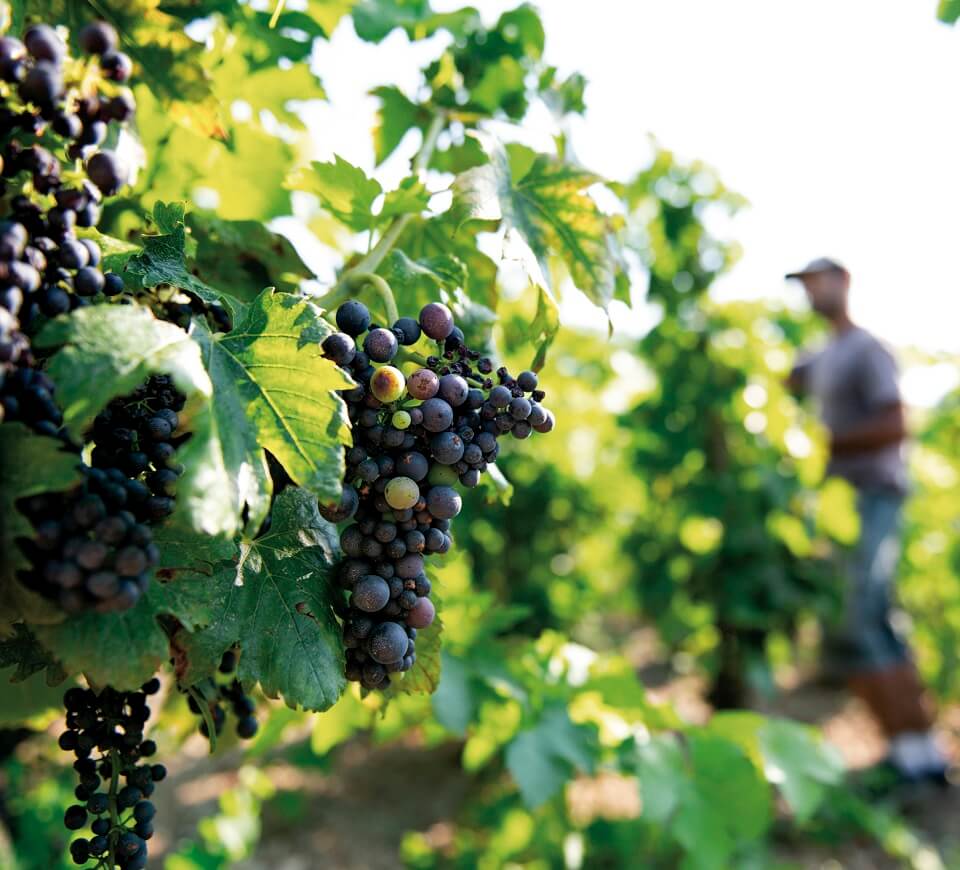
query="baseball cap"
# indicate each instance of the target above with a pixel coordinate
(821, 264)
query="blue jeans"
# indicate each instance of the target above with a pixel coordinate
(870, 641)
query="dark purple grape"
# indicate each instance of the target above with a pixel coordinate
(500, 396)
(454, 390)
(107, 172)
(437, 415)
(345, 508)
(423, 384)
(413, 465)
(444, 502)
(387, 643)
(446, 448)
(436, 321)
(548, 423)
(380, 345)
(98, 37)
(527, 381)
(407, 330)
(353, 318)
(42, 85)
(340, 348)
(370, 594)
(519, 408)
(43, 43)
(116, 65)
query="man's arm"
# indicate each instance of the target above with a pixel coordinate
(888, 426)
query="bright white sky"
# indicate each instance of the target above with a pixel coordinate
(837, 120)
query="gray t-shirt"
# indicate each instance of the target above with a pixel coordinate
(852, 379)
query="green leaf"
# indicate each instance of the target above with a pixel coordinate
(109, 351)
(501, 82)
(663, 775)
(396, 116)
(454, 701)
(424, 677)
(163, 259)
(276, 605)
(271, 88)
(949, 11)
(544, 326)
(544, 200)
(116, 252)
(22, 652)
(417, 282)
(800, 763)
(187, 164)
(411, 197)
(343, 190)
(20, 699)
(274, 390)
(731, 786)
(30, 464)
(245, 256)
(129, 646)
(542, 758)
(374, 19)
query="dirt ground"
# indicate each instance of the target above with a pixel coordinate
(355, 816)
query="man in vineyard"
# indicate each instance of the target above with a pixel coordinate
(854, 380)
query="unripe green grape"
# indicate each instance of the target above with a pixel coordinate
(443, 475)
(401, 493)
(387, 384)
(400, 420)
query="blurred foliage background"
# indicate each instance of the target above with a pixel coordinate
(679, 500)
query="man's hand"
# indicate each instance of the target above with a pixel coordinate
(888, 426)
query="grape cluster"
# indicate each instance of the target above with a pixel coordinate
(217, 694)
(105, 732)
(415, 439)
(53, 103)
(91, 547)
(138, 435)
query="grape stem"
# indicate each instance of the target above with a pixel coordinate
(411, 356)
(112, 797)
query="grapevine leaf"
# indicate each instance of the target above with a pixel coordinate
(22, 699)
(29, 465)
(396, 116)
(187, 164)
(424, 676)
(244, 256)
(805, 765)
(276, 605)
(374, 19)
(455, 700)
(664, 779)
(116, 252)
(949, 11)
(131, 645)
(163, 259)
(23, 651)
(542, 758)
(343, 189)
(426, 240)
(272, 88)
(274, 390)
(545, 325)
(544, 200)
(110, 350)
(500, 83)
(411, 197)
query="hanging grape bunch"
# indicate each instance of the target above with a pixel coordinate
(54, 111)
(105, 732)
(215, 695)
(415, 440)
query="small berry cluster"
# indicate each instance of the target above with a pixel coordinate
(105, 732)
(216, 695)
